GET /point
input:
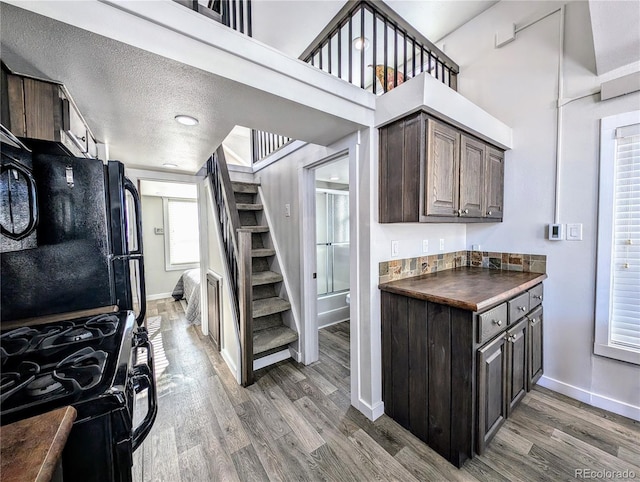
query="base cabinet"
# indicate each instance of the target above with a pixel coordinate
(452, 376)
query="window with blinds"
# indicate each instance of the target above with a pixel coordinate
(182, 235)
(625, 259)
(617, 323)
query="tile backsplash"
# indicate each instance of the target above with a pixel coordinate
(406, 268)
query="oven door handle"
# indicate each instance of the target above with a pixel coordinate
(143, 379)
(136, 255)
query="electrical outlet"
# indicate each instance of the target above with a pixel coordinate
(425, 245)
(158, 231)
(287, 210)
(475, 247)
(395, 248)
(442, 245)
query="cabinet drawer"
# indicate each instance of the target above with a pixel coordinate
(518, 307)
(492, 322)
(535, 296)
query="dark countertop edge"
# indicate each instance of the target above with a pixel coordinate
(13, 437)
(481, 306)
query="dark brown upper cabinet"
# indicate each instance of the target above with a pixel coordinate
(430, 171)
(36, 110)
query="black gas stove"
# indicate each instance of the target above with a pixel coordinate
(71, 242)
(92, 364)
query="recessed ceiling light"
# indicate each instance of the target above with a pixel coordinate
(187, 120)
(334, 178)
(170, 164)
(361, 43)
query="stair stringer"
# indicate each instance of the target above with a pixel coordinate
(291, 317)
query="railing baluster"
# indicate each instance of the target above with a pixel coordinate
(374, 43)
(249, 28)
(339, 51)
(404, 63)
(233, 15)
(350, 47)
(386, 35)
(241, 16)
(363, 47)
(329, 55)
(395, 56)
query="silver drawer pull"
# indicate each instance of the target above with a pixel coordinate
(489, 213)
(537, 297)
(497, 322)
(533, 321)
(522, 308)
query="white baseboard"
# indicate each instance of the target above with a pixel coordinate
(371, 412)
(231, 364)
(320, 327)
(600, 401)
(295, 354)
(159, 296)
(265, 361)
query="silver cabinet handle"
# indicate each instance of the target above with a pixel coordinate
(522, 308)
(466, 211)
(537, 297)
(533, 321)
(497, 322)
(459, 212)
(489, 213)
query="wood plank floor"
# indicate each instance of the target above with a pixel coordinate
(296, 423)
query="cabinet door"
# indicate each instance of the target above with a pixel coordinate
(494, 183)
(535, 347)
(42, 110)
(492, 382)
(472, 165)
(517, 364)
(399, 171)
(442, 170)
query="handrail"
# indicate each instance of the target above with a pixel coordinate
(236, 244)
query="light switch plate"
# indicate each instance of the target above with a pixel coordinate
(287, 210)
(574, 232)
(159, 231)
(395, 248)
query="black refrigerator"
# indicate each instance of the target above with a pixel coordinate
(72, 306)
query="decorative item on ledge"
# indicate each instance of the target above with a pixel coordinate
(406, 268)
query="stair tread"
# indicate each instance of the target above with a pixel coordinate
(273, 337)
(265, 278)
(249, 207)
(245, 187)
(269, 306)
(262, 252)
(257, 229)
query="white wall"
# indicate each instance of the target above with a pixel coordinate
(158, 280)
(518, 84)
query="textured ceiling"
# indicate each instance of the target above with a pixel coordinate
(129, 97)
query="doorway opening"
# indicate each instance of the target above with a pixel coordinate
(328, 253)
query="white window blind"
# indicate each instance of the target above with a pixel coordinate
(625, 263)
(183, 232)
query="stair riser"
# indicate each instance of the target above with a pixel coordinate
(266, 322)
(247, 218)
(264, 291)
(259, 264)
(244, 198)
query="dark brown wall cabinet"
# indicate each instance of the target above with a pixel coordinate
(38, 111)
(452, 376)
(432, 172)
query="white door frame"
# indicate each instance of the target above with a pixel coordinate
(308, 235)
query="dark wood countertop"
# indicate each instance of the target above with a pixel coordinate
(31, 448)
(474, 289)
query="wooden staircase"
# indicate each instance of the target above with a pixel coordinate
(257, 292)
(270, 334)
